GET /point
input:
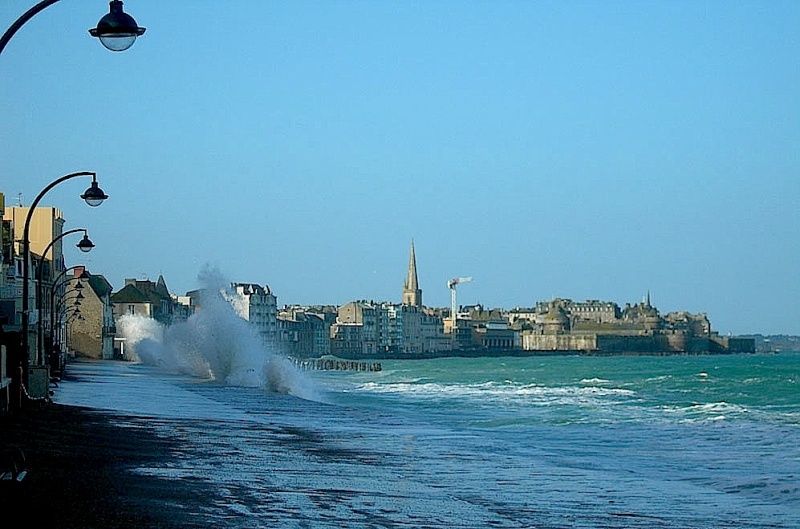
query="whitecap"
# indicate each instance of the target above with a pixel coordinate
(594, 381)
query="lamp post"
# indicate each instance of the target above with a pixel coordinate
(55, 287)
(68, 322)
(93, 196)
(85, 245)
(63, 309)
(62, 306)
(117, 30)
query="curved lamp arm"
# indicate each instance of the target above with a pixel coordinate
(29, 14)
(56, 286)
(39, 304)
(93, 196)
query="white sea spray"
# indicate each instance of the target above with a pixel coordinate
(214, 343)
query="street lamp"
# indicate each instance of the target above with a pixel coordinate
(68, 319)
(117, 30)
(63, 310)
(56, 286)
(94, 196)
(85, 245)
(62, 304)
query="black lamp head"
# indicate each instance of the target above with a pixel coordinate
(86, 244)
(117, 30)
(94, 196)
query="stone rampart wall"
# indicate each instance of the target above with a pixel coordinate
(559, 342)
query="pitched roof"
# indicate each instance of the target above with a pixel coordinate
(129, 294)
(144, 291)
(100, 285)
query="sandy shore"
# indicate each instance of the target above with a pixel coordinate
(79, 474)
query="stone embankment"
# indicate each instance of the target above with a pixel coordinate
(334, 364)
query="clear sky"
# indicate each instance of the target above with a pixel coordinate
(578, 149)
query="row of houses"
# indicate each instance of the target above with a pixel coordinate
(60, 301)
(368, 329)
(354, 330)
(73, 310)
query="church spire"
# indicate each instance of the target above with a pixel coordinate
(412, 294)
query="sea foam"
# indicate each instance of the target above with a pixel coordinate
(214, 343)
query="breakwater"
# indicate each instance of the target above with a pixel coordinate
(334, 364)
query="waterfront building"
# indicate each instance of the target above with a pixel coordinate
(555, 321)
(406, 329)
(355, 331)
(144, 298)
(256, 304)
(92, 335)
(8, 306)
(304, 332)
(643, 314)
(47, 225)
(434, 339)
(192, 301)
(598, 327)
(595, 311)
(519, 317)
(592, 312)
(490, 329)
(8, 268)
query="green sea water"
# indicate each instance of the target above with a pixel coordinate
(548, 442)
(592, 389)
(689, 442)
(683, 441)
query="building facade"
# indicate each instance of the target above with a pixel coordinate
(305, 331)
(92, 335)
(46, 225)
(256, 304)
(355, 332)
(144, 298)
(390, 330)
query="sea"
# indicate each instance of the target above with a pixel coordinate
(702, 441)
(533, 442)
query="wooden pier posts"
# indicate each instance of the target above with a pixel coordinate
(332, 364)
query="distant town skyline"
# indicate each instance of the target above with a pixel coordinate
(547, 149)
(412, 294)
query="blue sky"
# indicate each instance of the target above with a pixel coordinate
(580, 149)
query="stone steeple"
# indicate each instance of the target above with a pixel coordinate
(412, 294)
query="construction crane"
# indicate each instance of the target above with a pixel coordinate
(451, 284)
